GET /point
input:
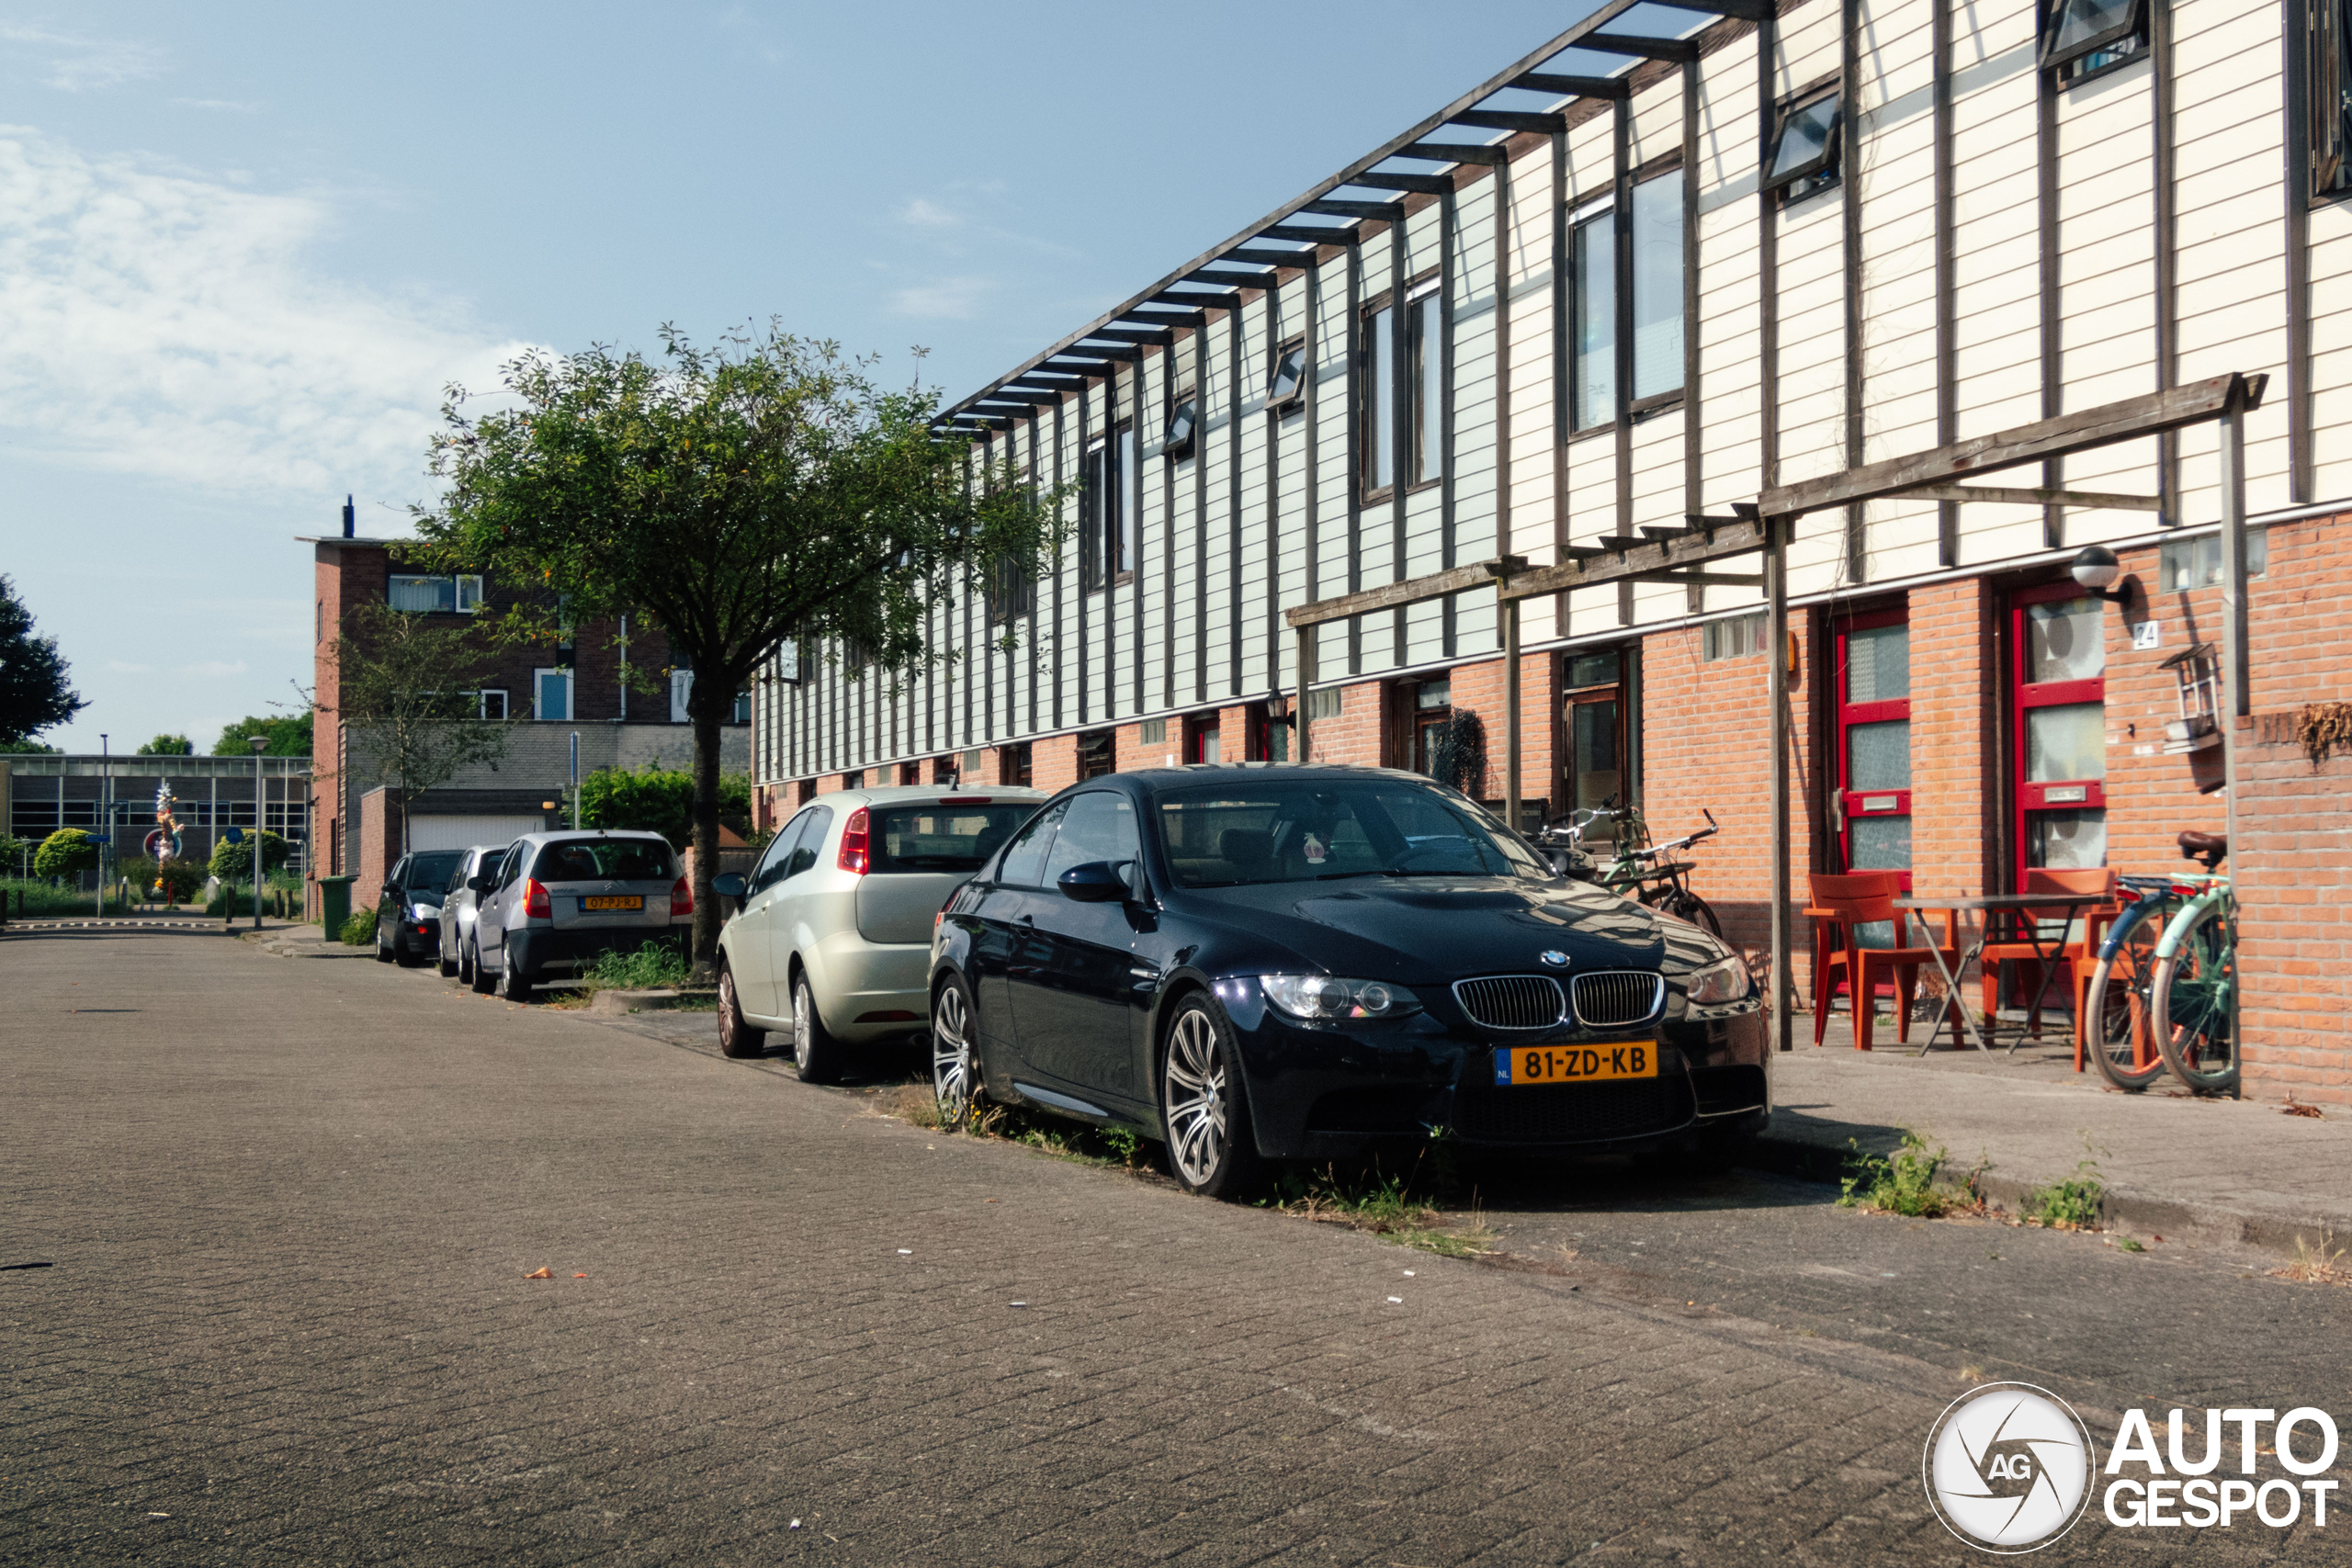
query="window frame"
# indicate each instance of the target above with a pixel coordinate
(1845, 716)
(571, 694)
(483, 697)
(1580, 220)
(2029, 797)
(2327, 51)
(1375, 409)
(1823, 167)
(1424, 306)
(1105, 539)
(1283, 406)
(461, 603)
(1183, 405)
(1670, 164)
(2134, 26)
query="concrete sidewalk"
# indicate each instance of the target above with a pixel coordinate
(2171, 1163)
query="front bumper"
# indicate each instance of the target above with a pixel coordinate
(1323, 1092)
(538, 950)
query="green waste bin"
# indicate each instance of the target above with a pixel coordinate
(334, 904)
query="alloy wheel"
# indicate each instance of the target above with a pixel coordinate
(803, 1012)
(1197, 1100)
(953, 1077)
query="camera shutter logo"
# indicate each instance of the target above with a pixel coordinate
(2008, 1467)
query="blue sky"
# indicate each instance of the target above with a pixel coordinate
(243, 247)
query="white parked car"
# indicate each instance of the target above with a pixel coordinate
(559, 900)
(474, 874)
(833, 938)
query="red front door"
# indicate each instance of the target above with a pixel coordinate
(1873, 716)
(2058, 729)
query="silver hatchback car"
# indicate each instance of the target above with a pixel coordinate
(475, 868)
(833, 939)
(559, 900)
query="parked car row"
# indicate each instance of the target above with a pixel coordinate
(508, 917)
(1247, 962)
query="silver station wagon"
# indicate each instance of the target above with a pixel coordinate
(558, 900)
(833, 940)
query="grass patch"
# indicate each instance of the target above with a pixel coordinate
(39, 900)
(1406, 1209)
(2072, 1204)
(1904, 1182)
(2318, 1265)
(359, 929)
(652, 967)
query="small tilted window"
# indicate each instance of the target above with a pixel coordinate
(2081, 38)
(1804, 148)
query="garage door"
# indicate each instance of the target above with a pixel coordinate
(464, 832)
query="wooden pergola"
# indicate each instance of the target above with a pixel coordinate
(1689, 555)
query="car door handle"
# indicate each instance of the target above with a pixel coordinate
(1028, 920)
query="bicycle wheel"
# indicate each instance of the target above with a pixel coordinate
(2192, 1002)
(1693, 908)
(2119, 1018)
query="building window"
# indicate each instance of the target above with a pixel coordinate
(788, 659)
(1592, 393)
(1734, 638)
(1594, 718)
(1098, 753)
(1012, 766)
(417, 593)
(1009, 591)
(2081, 39)
(491, 702)
(1201, 742)
(1324, 702)
(1425, 381)
(1804, 148)
(681, 686)
(2328, 44)
(551, 695)
(1183, 420)
(1375, 402)
(853, 778)
(1657, 286)
(1287, 386)
(2184, 564)
(742, 707)
(1106, 548)
(1154, 732)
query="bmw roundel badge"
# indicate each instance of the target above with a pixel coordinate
(1554, 959)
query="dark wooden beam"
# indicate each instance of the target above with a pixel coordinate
(2102, 426)
(1303, 234)
(1222, 278)
(1705, 578)
(1455, 152)
(1251, 256)
(1128, 351)
(1508, 120)
(1740, 10)
(1380, 211)
(2036, 497)
(1680, 48)
(1164, 319)
(1159, 336)
(1576, 86)
(1200, 301)
(1642, 559)
(1390, 596)
(1425, 184)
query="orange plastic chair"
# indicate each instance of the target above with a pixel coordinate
(2073, 954)
(1841, 907)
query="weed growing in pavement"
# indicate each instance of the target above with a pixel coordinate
(651, 967)
(1404, 1208)
(2316, 1265)
(359, 929)
(1904, 1182)
(2072, 1204)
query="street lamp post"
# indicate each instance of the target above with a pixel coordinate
(261, 817)
(105, 838)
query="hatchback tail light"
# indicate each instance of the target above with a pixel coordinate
(854, 857)
(537, 904)
(682, 897)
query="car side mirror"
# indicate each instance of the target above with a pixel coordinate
(728, 884)
(1096, 882)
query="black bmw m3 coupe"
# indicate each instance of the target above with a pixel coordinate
(1257, 963)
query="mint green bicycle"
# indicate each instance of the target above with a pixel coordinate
(2195, 977)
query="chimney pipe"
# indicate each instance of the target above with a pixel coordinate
(350, 519)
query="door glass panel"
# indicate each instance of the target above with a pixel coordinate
(1878, 756)
(1593, 670)
(1658, 284)
(1597, 775)
(1881, 843)
(2066, 840)
(1025, 863)
(2063, 642)
(2068, 741)
(1098, 828)
(1594, 383)
(1878, 664)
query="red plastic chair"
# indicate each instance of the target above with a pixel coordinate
(1841, 907)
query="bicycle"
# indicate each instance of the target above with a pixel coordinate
(1639, 872)
(2195, 977)
(2123, 1022)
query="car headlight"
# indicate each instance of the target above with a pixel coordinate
(1725, 980)
(420, 913)
(1328, 996)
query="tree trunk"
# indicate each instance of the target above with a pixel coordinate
(705, 705)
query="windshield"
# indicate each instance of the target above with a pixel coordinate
(431, 872)
(604, 860)
(1272, 830)
(942, 838)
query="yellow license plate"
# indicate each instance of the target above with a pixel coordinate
(1576, 1064)
(634, 901)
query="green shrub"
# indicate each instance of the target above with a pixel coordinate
(659, 800)
(1903, 1183)
(69, 852)
(359, 928)
(38, 899)
(652, 967)
(235, 863)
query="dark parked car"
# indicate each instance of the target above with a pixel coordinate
(1256, 962)
(408, 910)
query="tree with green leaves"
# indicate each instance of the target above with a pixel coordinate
(406, 697)
(233, 864)
(33, 692)
(167, 746)
(737, 496)
(69, 852)
(659, 800)
(288, 736)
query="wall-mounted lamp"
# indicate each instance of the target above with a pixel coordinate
(2096, 568)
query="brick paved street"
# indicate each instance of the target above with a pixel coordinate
(287, 1209)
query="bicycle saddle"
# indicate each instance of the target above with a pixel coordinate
(2207, 847)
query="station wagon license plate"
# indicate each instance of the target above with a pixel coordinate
(612, 901)
(1576, 1064)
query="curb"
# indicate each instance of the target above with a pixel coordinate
(2120, 1209)
(645, 1001)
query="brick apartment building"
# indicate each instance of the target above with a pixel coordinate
(582, 688)
(1631, 281)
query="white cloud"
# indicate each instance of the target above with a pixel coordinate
(952, 299)
(220, 106)
(923, 214)
(156, 323)
(74, 63)
(213, 669)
